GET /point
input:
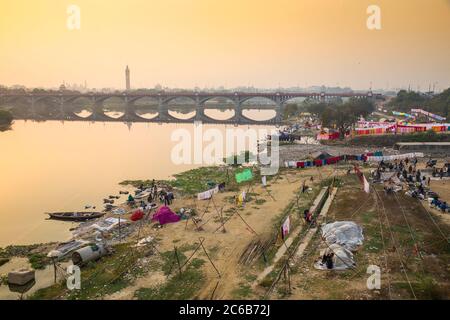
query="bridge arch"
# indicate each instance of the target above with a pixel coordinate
(259, 97)
(181, 107)
(113, 107)
(80, 106)
(219, 108)
(259, 108)
(145, 107)
(180, 98)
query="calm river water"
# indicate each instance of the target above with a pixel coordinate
(54, 166)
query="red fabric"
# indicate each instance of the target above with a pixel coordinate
(300, 164)
(137, 215)
(318, 163)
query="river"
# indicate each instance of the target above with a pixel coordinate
(64, 166)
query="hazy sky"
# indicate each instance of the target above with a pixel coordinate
(264, 43)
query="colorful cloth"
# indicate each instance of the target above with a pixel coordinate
(207, 194)
(244, 176)
(285, 228)
(165, 215)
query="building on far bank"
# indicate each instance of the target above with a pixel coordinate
(127, 79)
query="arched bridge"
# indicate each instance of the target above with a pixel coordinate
(199, 99)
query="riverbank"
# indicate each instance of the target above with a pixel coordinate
(185, 259)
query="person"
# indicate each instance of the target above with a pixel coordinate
(429, 181)
(443, 206)
(441, 173)
(305, 214)
(309, 217)
(170, 197)
(421, 190)
(162, 196)
(304, 187)
(329, 260)
(150, 198)
(405, 174)
(418, 177)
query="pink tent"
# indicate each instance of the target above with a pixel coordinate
(165, 215)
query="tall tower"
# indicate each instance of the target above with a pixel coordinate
(127, 78)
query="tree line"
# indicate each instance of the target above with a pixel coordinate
(406, 100)
(341, 115)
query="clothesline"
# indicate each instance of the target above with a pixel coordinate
(332, 160)
(396, 157)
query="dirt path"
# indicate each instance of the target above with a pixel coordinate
(226, 248)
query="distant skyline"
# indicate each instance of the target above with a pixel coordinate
(205, 43)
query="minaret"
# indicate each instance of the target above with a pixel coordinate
(127, 78)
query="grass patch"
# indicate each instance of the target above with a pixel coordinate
(101, 277)
(196, 180)
(244, 291)
(3, 261)
(179, 287)
(38, 261)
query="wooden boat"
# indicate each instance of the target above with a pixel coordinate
(75, 216)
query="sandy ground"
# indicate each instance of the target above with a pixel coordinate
(228, 246)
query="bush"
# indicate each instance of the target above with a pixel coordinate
(6, 117)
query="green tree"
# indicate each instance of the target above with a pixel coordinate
(6, 118)
(343, 116)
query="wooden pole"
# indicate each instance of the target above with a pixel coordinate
(178, 259)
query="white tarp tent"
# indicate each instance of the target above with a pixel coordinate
(345, 233)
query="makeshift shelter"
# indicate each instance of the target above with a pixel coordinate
(165, 215)
(345, 233)
(341, 258)
(320, 155)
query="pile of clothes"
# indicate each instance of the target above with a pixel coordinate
(438, 204)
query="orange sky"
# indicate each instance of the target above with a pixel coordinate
(187, 43)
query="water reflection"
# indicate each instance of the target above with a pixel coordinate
(54, 166)
(182, 115)
(260, 115)
(217, 114)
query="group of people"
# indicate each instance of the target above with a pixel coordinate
(164, 196)
(419, 184)
(441, 173)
